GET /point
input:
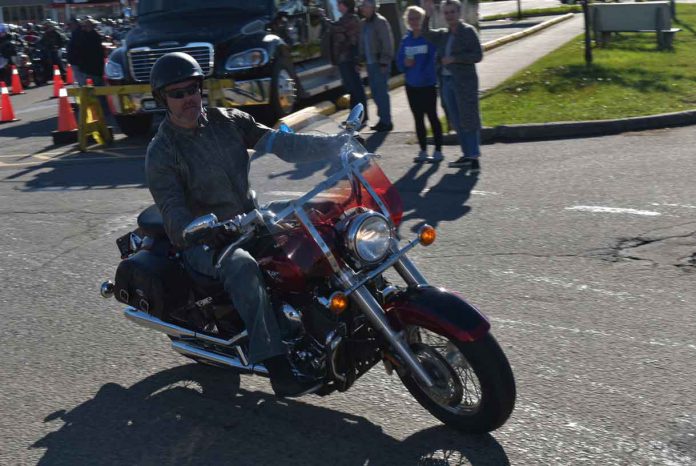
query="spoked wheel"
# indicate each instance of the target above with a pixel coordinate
(474, 389)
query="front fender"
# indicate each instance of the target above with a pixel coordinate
(437, 310)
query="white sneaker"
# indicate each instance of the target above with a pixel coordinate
(421, 157)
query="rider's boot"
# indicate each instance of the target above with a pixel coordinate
(284, 381)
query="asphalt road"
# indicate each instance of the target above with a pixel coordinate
(580, 252)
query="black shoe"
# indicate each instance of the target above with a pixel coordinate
(382, 127)
(461, 162)
(475, 166)
(284, 381)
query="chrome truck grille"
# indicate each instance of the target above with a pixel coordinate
(141, 59)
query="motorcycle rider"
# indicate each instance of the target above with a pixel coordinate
(198, 163)
(52, 41)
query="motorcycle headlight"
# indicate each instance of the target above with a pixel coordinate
(248, 59)
(113, 70)
(369, 237)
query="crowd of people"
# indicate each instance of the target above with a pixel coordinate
(431, 59)
(79, 42)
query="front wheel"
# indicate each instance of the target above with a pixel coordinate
(474, 389)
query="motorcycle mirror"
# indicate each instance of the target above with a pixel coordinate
(355, 118)
(199, 227)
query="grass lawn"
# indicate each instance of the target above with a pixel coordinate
(630, 77)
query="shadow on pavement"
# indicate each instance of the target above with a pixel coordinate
(197, 414)
(119, 165)
(25, 129)
(446, 201)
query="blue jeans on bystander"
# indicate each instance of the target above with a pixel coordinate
(468, 140)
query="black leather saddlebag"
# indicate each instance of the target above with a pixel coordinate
(152, 283)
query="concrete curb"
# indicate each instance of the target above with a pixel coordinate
(305, 117)
(573, 129)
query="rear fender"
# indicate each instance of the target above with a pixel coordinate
(437, 310)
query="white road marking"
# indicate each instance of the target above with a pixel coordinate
(53, 105)
(685, 206)
(612, 210)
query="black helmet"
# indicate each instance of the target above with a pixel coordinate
(173, 68)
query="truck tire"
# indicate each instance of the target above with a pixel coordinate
(283, 90)
(134, 125)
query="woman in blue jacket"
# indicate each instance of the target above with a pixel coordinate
(416, 58)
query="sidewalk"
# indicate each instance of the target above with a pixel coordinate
(497, 66)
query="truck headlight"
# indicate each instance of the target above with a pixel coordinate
(248, 59)
(368, 238)
(113, 70)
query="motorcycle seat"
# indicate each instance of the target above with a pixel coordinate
(151, 223)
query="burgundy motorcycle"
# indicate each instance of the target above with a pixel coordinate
(324, 257)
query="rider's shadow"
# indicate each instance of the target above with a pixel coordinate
(445, 201)
(196, 414)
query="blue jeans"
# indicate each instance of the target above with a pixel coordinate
(468, 140)
(380, 91)
(353, 84)
(242, 279)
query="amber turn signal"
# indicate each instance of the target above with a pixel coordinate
(338, 302)
(427, 235)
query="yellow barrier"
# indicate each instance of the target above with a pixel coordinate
(92, 122)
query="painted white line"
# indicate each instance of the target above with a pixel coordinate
(612, 210)
(53, 105)
(684, 206)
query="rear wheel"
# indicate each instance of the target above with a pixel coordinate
(474, 389)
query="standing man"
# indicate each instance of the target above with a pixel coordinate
(89, 43)
(458, 49)
(345, 35)
(377, 51)
(74, 52)
(53, 40)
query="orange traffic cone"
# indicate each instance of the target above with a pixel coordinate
(16, 82)
(6, 112)
(67, 126)
(69, 78)
(57, 81)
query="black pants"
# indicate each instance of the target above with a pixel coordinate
(423, 100)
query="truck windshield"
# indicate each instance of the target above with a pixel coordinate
(148, 7)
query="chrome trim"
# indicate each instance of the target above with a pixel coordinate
(229, 361)
(409, 272)
(371, 308)
(107, 289)
(389, 262)
(146, 320)
(148, 55)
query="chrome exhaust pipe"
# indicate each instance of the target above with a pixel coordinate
(146, 320)
(228, 361)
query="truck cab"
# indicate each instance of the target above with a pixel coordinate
(274, 50)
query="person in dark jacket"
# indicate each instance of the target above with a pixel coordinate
(416, 58)
(345, 34)
(458, 49)
(89, 43)
(52, 41)
(198, 163)
(7, 51)
(74, 51)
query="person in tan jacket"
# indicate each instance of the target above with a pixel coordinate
(377, 52)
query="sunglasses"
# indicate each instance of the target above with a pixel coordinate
(182, 92)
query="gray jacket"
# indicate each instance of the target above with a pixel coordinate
(380, 38)
(466, 51)
(193, 172)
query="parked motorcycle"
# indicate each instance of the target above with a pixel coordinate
(324, 257)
